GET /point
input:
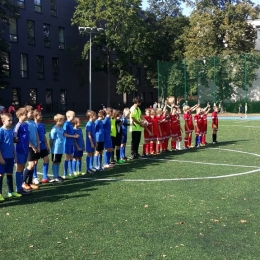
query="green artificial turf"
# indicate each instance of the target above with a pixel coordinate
(133, 212)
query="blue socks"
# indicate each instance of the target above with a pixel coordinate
(45, 168)
(70, 167)
(91, 162)
(96, 161)
(79, 165)
(107, 157)
(66, 165)
(35, 171)
(19, 180)
(74, 162)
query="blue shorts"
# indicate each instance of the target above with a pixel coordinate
(124, 139)
(8, 167)
(77, 154)
(108, 143)
(21, 158)
(89, 149)
(69, 149)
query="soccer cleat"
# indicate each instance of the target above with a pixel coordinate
(82, 173)
(121, 161)
(34, 186)
(113, 162)
(186, 147)
(14, 195)
(26, 186)
(45, 180)
(101, 168)
(68, 177)
(36, 181)
(108, 166)
(2, 199)
(90, 172)
(174, 150)
(24, 192)
(125, 158)
(79, 173)
(143, 155)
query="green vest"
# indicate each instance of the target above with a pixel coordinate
(113, 127)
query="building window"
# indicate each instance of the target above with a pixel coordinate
(48, 100)
(138, 77)
(55, 68)
(33, 96)
(38, 6)
(46, 35)
(5, 64)
(13, 30)
(21, 4)
(61, 39)
(53, 8)
(24, 65)
(40, 67)
(63, 103)
(30, 32)
(16, 95)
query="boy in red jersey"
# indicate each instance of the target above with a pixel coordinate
(214, 116)
(199, 124)
(147, 132)
(161, 134)
(167, 130)
(205, 112)
(174, 128)
(154, 127)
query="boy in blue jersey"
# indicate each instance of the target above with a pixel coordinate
(34, 148)
(79, 147)
(21, 135)
(7, 156)
(100, 140)
(57, 146)
(107, 138)
(125, 123)
(44, 149)
(90, 141)
(70, 136)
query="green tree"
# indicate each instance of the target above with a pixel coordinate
(8, 9)
(221, 29)
(120, 40)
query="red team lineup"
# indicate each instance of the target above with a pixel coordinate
(163, 131)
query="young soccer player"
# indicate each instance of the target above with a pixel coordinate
(214, 116)
(90, 141)
(79, 147)
(205, 112)
(154, 121)
(167, 129)
(118, 136)
(161, 133)
(147, 132)
(21, 135)
(100, 140)
(174, 128)
(57, 146)
(199, 124)
(69, 144)
(107, 138)
(7, 156)
(34, 148)
(125, 123)
(113, 134)
(44, 149)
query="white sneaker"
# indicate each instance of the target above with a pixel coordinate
(36, 181)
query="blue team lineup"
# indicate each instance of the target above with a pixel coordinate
(106, 139)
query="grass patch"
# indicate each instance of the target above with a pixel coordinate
(109, 219)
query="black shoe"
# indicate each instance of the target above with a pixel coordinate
(133, 157)
(113, 162)
(24, 192)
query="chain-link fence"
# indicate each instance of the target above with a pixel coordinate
(215, 79)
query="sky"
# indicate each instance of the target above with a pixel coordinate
(186, 11)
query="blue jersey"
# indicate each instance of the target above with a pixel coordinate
(21, 131)
(90, 127)
(32, 132)
(7, 143)
(41, 132)
(99, 131)
(68, 129)
(57, 137)
(124, 125)
(107, 126)
(80, 141)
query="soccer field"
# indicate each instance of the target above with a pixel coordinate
(200, 203)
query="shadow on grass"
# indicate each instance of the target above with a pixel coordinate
(53, 192)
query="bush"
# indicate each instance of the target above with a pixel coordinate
(252, 107)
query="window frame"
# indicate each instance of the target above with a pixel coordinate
(55, 70)
(6, 71)
(46, 35)
(18, 94)
(53, 8)
(22, 71)
(33, 103)
(21, 4)
(60, 42)
(63, 106)
(49, 105)
(29, 37)
(40, 73)
(12, 35)
(38, 7)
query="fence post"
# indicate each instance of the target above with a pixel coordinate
(185, 82)
(245, 78)
(214, 79)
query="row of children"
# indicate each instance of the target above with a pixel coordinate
(106, 131)
(162, 125)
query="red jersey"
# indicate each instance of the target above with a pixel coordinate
(214, 116)
(154, 126)
(174, 124)
(149, 127)
(205, 123)
(161, 131)
(198, 118)
(167, 126)
(188, 121)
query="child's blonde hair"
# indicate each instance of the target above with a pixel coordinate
(185, 108)
(28, 108)
(90, 114)
(76, 121)
(58, 117)
(36, 113)
(126, 110)
(6, 115)
(70, 113)
(21, 111)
